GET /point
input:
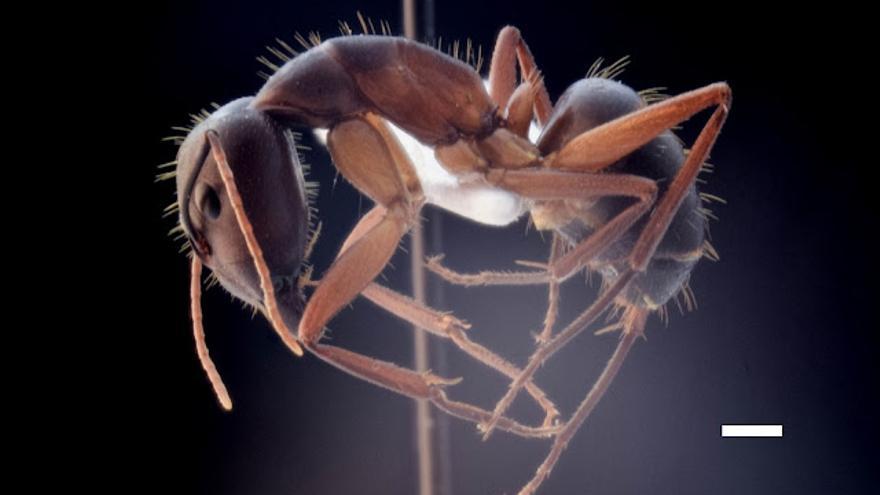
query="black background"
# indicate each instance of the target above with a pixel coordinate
(784, 332)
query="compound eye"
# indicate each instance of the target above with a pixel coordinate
(207, 201)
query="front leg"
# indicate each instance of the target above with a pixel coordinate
(418, 386)
(447, 326)
(436, 322)
(403, 381)
(367, 154)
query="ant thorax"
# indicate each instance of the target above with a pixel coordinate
(471, 198)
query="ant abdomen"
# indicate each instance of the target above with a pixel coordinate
(587, 104)
(681, 246)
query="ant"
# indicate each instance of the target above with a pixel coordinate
(606, 176)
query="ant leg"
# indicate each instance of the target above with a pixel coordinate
(550, 185)
(401, 380)
(417, 386)
(601, 146)
(633, 322)
(546, 350)
(556, 250)
(598, 147)
(434, 264)
(502, 73)
(547, 184)
(666, 209)
(447, 326)
(544, 184)
(350, 273)
(438, 323)
(368, 155)
(634, 319)
(613, 140)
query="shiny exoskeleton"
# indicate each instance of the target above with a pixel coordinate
(606, 175)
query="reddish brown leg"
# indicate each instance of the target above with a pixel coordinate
(349, 274)
(367, 222)
(486, 277)
(545, 184)
(367, 154)
(552, 185)
(438, 323)
(653, 118)
(417, 386)
(400, 380)
(671, 201)
(502, 73)
(594, 150)
(591, 246)
(447, 326)
(598, 148)
(633, 323)
(511, 278)
(601, 146)
(371, 158)
(637, 129)
(545, 351)
(633, 320)
(552, 293)
(549, 185)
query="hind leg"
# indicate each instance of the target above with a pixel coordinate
(633, 324)
(633, 130)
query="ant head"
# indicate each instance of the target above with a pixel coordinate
(268, 175)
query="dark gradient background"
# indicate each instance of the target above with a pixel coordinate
(785, 331)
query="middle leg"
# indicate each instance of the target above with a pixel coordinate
(556, 250)
(553, 185)
(509, 48)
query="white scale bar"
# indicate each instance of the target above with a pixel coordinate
(751, 430)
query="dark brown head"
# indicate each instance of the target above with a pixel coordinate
(263, 159)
